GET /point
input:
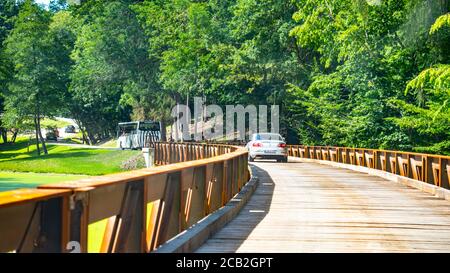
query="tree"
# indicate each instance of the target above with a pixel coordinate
(32, 91)
(428, 119)
(225, 51)
(358, 58)
(108, 62)
(8, 10)
(345, 72)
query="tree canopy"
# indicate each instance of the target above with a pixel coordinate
(356, 73)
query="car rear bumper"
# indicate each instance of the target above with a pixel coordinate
(277, 157)
(262, 154)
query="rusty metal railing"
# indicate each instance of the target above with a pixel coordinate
(128, 212)
(432, 169)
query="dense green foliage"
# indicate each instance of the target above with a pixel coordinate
(346, 72)
(364, 57)
(8, 10)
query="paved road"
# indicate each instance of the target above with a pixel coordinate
(307, 207)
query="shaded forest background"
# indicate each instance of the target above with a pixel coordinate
(357, 73)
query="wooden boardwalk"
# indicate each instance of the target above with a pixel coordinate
(307, 207)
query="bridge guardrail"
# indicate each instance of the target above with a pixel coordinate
(432, 169)
(133, 211)
(30, 218)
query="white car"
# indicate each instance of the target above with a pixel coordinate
(267, 146)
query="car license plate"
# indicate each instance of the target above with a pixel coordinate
(269, 151)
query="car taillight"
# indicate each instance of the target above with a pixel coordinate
(282, 145)
(257, 144)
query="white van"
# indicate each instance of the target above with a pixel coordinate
(138, 134)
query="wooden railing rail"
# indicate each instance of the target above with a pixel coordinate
(432, 169)
(133, 211)
(170, 152)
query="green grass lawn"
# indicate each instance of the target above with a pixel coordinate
(62, 159)
(47, 122)
(11, 181)
(110, 144)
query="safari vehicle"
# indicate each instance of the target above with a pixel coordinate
(69, 129)
(138, 134)
(52, 134)
(267, 146)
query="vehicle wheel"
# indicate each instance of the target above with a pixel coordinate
(251, 159)
(285, 159)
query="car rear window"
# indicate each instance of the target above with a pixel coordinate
(267, 137)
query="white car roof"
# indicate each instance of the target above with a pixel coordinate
(266, 134)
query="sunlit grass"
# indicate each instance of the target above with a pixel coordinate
(110, 144)
(22, 157)
(47, 122)
(13, 180)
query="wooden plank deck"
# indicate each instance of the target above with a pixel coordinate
(307, 207)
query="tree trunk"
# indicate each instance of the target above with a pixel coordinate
(91, 138)
(44, 147)
(38, 149)
(163, 130)
(86, 139)
(38, 123)
(4, 135)
(83, 136)
(14, 136)
(83, 132)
